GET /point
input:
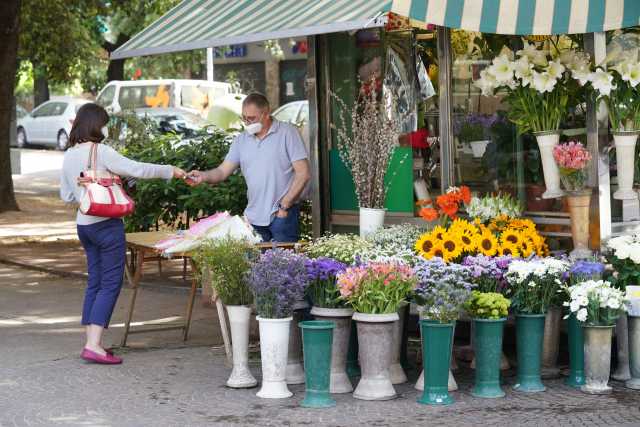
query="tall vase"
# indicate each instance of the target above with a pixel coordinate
(488, 350)
(239, 317)
(353, 365)
(397, 373)
(546, 142)
(622, 372)
(529, 337)
(375, 335)
(317, 337)
(341, 317)
(371, 220)
(579, 204)
(295, 368)
(634, 352)
(576, 352)
(625, 143)
(551, 343)
(452, 384)
(274, 346)
(437, 339)
(597, 359)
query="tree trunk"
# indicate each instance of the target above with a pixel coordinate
(9, 23)
(40, 85)
(115, 71)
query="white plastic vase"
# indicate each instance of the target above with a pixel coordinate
(274, 345)
(478, 148)
(371, 220)
(239, 317)
(546, 142)
(625, 143)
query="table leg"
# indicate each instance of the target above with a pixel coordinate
(134, 281)
(192, 297)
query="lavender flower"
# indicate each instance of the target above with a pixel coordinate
(586, 270)
(322, 289)
(488, 272)
(278, 280)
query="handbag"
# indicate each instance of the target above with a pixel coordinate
(104, 195)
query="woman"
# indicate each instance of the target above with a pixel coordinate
(102, 238)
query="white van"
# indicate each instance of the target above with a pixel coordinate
(195, 96)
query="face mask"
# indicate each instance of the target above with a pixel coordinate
(253, 128)
(105, 132)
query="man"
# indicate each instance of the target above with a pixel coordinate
(273, 160)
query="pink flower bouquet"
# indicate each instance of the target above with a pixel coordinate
(376, 287)
(572, 159)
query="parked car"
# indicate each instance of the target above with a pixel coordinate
(174, 120)
(20, 112)
(50, 123)
(296, 112)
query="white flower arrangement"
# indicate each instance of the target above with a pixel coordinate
(623, 259)
(390, 244)
(596, 303)
(488, 207)
(341, 247)
(626, 247)
(535, 283)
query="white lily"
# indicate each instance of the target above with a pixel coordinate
(543, 82)
(602, 81)
(523, 69)
(581, 74)
(555, 69)
(631, 73)
(502, 68)
(486, 83)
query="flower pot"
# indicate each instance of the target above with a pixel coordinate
(488, 350)
(535, 202)
(576, 352)
(395, 370)
(579, 204)
(546, 142)
(634, 352)
(622, 372)
(317, 338)
(625, 143)
(437, 339)
(353, 366)
(295, 369)
(452, 385)
(274, 345)
(375, 336)
(597, 359)
(478, 148)
(551, 343)
(341, 317)
(371, 220)
(239, 317)
(529, 338)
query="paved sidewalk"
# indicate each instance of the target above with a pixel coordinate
(165, 382)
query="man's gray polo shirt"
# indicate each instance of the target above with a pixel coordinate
(267, 167)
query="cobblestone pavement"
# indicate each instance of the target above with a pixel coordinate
(166, 383)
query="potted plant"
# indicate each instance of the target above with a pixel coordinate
(366, 141)
(533, 284)
(597, 305)
(580, 271)
(442, 291)
(474, 130)
(489, 313)
(278, 279)
(328, 306)
(539, 90)
(572, 159)
(617, 88)
(374, 291)
(228, 261)
(623, 256)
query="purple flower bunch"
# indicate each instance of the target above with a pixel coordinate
(475, 126)
(442, 288)
(582, 271)
(488, 272)
(278, 279)
(322, 289)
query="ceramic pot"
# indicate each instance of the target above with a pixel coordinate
(488, 350)
(437, 340)
(576, 352)
(274, 346)
(239, 318)
(371, 220)
(579, 204)
(597, 359)
(341, 317)
(529, 338)
(625, 143)
(551, 343)
(546, 142)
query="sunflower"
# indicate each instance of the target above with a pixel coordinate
(425, 244)
(466, 238)
(527, 247)
(508, 248)
(436, 251)
(463, 226)
(486, 243)
(437, 232)
(452, 247)
(511, 236)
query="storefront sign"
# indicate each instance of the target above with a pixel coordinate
(233, 51)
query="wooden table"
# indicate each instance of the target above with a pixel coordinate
(142, 247)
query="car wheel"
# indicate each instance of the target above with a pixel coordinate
(63, 140)
(21, 138)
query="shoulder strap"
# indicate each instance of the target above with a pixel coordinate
(93, 157)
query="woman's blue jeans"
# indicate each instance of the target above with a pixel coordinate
(105, 246)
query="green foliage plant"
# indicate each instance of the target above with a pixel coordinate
(487, 305)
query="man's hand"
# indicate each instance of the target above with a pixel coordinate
(282, 213)
(194, 178)
(178, 173)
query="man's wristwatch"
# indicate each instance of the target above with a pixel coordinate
(281, 207)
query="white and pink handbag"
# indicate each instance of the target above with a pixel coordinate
(104, 195)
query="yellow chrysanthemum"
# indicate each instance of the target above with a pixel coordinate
(436, 251)
(508, 248)
(452, 247)
(486, 243)
(438, 232)
(424, 244)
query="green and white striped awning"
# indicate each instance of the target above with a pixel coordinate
(197, 24)
(524, 17)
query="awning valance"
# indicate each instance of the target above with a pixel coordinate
(198, 24)
(524, 17)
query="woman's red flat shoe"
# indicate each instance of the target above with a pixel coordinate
(107, 359)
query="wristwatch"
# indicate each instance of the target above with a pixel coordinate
(282, 208)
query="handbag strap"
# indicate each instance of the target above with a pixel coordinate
(92, 164)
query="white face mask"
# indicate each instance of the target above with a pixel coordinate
(105, 132)
(253, 128)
